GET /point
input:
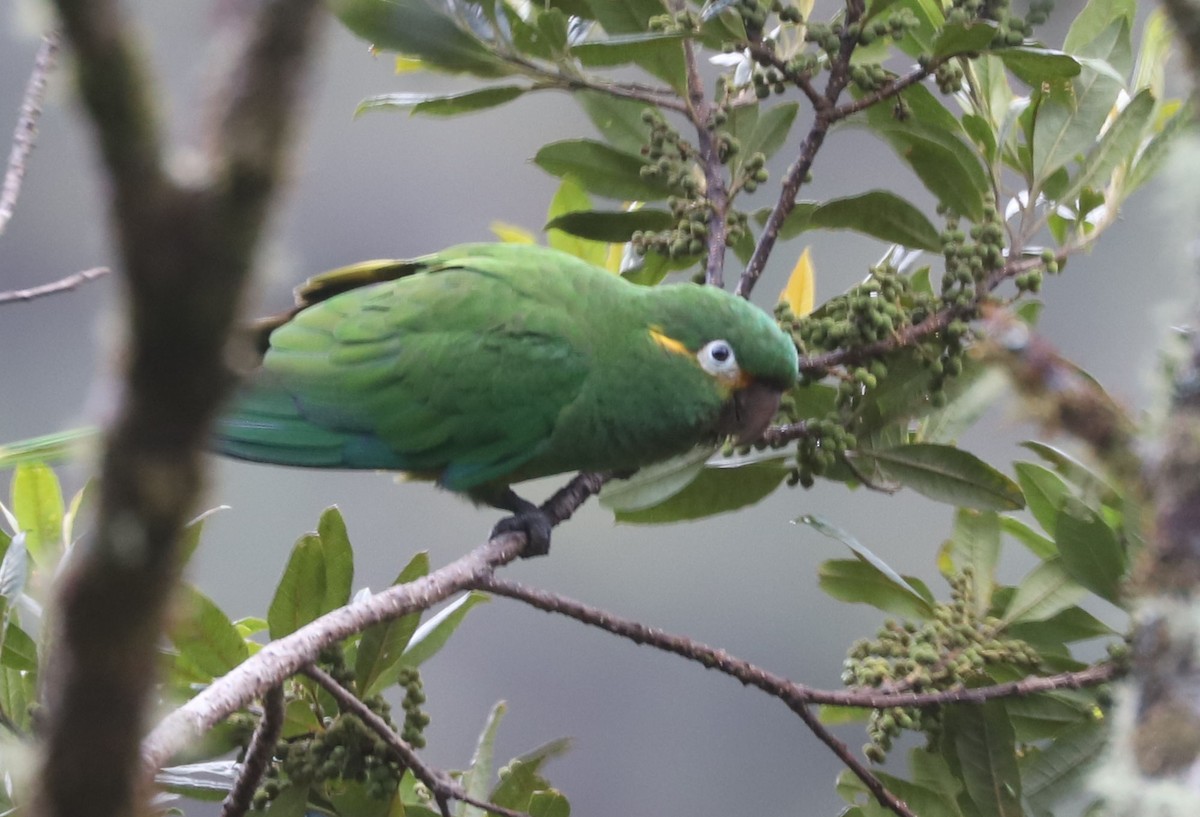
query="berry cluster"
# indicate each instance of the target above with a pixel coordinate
(344, 748)
(954, 648)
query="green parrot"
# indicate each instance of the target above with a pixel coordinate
(485, 365)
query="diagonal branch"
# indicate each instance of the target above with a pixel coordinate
(258, 755)
(25, 136)
(54, 287)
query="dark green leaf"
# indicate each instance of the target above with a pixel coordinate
(37, 502)
(610, 226)
(1059, 769)
(301, 591)
(1045, 592)
(962, 38)
(381, 648)
(880, 214)
(984, 743)
(945, 165)
(549, 803)
(1067, 626)
(601, 169)
(442, 104)
(858, 581)
(433, 634)
(1046, 716)
(1090, 550)
(569, 198)
(204, 635)
(1035, 66)
(771, 129)
(949, 474)
(523, 778)
(1044, 492)
(20, 651)
(646, 47)
(976, 544)
(338, 557)
(922, 800)
(422, 30)
(713, 491)
(654, 484)
(618, 119)
(632, 17)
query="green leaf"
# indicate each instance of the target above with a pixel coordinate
(618, 119)
(646, 47)
(1064, 627)
(880, 214)
(824, 526)
(1046, 716)
(1058, 769)
(601, 169)
(963, 38)
(549, 803)
(418, 29)
(771, 129)
(433, 634)
(1087, 480)
(1035, 66)
(654, 484)
(978, 389)
(19, 652)
(922, 800)
(571, 197)
(1116, 147)
(984, 743)
(477, 779)
(37, 502)
(947, 167)
(948, 474)
(612, 227)
(1037, 544)
(381, 648)
(189, 540)
(301, 592)
(1090, 550)
(1150, 160)
(713, 491)
(858, 581)
(523, 778)
(1045, 592)
(1044, 492)
(663, 60)
(1096, 17)
(205, 637)
(292, 801)
(18, 694)
(442, 104)
(338, 558)
(976, 542)
(14, 568)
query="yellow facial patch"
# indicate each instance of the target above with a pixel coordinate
(667, 342)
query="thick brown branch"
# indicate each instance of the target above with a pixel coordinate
(66, 284)
(25, 136)
(258, 755)
(443, 787)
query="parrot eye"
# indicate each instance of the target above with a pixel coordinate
(716, 358)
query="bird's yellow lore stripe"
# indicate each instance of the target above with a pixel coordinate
(667, 342)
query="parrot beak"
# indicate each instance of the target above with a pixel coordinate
(749, 411)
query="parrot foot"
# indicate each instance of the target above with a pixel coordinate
(528, 519)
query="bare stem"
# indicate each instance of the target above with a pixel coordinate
(66, 284)
(25, 136)
(258, 755)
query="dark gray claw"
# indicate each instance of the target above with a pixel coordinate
(528, 519)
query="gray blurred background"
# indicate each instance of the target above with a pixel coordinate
(652, 733)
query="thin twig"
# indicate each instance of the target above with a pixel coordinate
(258, 755)
(25, 135)
(443, 787)
(54, 287)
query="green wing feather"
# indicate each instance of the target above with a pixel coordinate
(459, 370)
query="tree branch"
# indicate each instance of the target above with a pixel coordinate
(186, 252)
(258, 755)
(54, 287)
(25, 136)
(286, 656)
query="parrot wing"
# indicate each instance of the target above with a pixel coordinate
(459, 371)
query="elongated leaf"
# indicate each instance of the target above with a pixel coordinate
(651, 47)
(962, 38)
(1045, 592)
(859, 581)
(1044, 492)
(922, 800)
(433, 634)
(338, 558)
(611, 226)
(18, 694)
(477, 779)
(423, 30)
(1058, 769)
(799, 291)
(1086, 479)
(301, 592)
(523, 778)
(985, 745)
(655, 483)
(823, 526)
(37, 502)
(442, 104)
(1090, 550)
(601, 169)
(14, 569)
(1035, 66)
(713, 491)
(976, 543)
(949, 474)
(381, 648)
(618, 119)
(1150, 160)
(1037, 544)
(204, 635)
(1096, 17)
(19, 652)
(880, 214)
(1064, 627)
(549, 803)
(771, 129)
(944, 163)
(1116, 147)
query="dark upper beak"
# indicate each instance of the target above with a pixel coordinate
(749, 412)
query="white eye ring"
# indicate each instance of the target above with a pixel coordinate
(716, 357)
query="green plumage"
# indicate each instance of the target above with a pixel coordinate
(488, 364)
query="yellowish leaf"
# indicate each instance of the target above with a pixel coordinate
(406, 65)
(616, 252)
(511, 233)
(798, 294)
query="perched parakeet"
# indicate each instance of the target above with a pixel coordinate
(488, 364)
